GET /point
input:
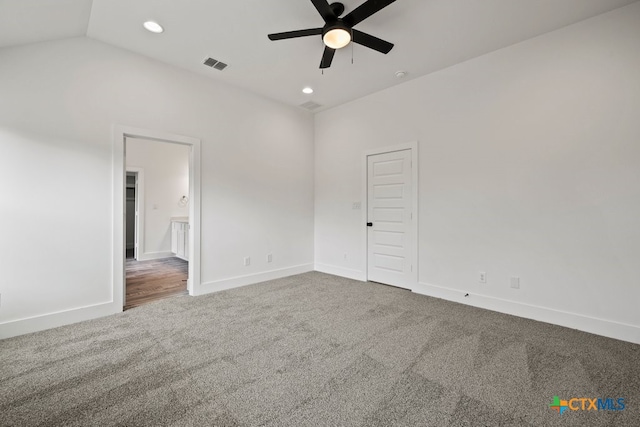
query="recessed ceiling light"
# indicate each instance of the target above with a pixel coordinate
(307, 90)
(401, 74)
(153, 26)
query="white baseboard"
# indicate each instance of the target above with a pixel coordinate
(250, 279)
(580, 322)
(607, 328)
(53, 320)
(148, 256)
(341, 271)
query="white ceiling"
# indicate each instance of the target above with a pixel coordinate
(428, 34)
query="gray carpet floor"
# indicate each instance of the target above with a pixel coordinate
(313, 350)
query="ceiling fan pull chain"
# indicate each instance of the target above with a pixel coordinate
(351, 53)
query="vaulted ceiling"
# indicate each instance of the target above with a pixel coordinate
(428, 35)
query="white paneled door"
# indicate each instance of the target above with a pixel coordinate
(390, 228)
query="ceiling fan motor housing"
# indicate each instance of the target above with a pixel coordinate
(338, 8)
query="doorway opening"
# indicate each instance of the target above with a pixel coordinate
(153, 192)
(132, 214)
(156, 269)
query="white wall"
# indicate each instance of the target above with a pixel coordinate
(166, 180)
(529, 167)
(58, 106)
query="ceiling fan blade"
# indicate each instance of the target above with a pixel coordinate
(372, 42)
(294, 34)
(365, 10)
(325, 10)
(327, 57)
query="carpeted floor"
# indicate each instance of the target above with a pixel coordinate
(314, 350)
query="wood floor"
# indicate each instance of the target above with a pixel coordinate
(156, 279)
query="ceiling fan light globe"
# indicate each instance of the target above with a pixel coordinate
(337, 38)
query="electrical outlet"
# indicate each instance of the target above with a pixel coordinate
(515, 283)
(345, 257)
(269, 257)
(247, 261)
(482, 277)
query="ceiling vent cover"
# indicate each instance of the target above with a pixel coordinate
(214, 63)
(310, 105)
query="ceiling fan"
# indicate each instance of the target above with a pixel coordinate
(339, 32)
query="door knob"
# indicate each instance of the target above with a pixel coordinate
(369, 224)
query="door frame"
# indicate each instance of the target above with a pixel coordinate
(413, 147)
(120, 134)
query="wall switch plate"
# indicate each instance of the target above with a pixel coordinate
(356, 206)
(247, 261)
(515, 282)
(269, 257)
(482, 277)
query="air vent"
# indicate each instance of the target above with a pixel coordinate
(310, 105)
(214, 63)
